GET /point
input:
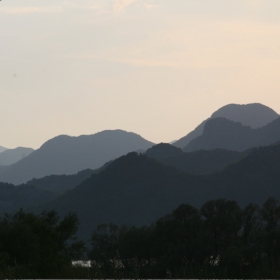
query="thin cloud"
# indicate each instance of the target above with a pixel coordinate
(149, 6)
(228, 44)
(120, 5)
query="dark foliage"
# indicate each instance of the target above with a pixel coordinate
(136, 190)
(37, 246)
(218, 241)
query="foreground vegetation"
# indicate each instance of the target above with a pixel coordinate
(220, 240)
(40, 246)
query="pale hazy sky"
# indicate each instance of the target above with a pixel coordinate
(154, 67)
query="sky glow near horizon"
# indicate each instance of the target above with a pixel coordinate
(154, 67)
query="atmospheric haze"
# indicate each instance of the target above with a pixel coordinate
(154, 67)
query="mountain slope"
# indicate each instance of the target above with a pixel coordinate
(60, 183)
(198, 162)
(2, 149)
(12, 198)
(11, 156)
(220, 133)
(254, 115)
(132, 190)
(136, 190)
(69, 155)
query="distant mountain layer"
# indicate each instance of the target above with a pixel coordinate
(60, 183)
(254, 115)
(11, 156)
(198, 162)
(137, 190)
(220, 133)
(69, 155)
(2, 149)
(3, 168)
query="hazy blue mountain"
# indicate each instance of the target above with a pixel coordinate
(183, 142)
(254, 115)
(220, 133)
(69, 155)
(137, 190)
(60, 183)
(3, 168)
(2, 149)
(11, 156)
(198, 162)
(38, 191)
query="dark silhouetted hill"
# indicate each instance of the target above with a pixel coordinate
(11, 156)
(220, 133)
(3, 168)
(60, 183)
(137, 190)
(12, 198)
(254, 115)
(198, 162)
(69, 155)
(163, 150)
(132, 190)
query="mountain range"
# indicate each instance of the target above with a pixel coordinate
(69, 155)
(137, 190)
(101, 179)
(225, 134)
(254, 115)
(10, 156)
(12, 198)
(197, 162)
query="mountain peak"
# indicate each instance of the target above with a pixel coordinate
(254, 115)
(68, 155)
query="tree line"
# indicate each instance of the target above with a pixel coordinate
(219, 240)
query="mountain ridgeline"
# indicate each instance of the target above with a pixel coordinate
(254, 115)
(100, 178)
(220, 133)
(69, 155)
(137, 190)
(10, 156)
(2, 149)
(197, 162)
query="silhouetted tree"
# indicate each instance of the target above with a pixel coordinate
(38, 246)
